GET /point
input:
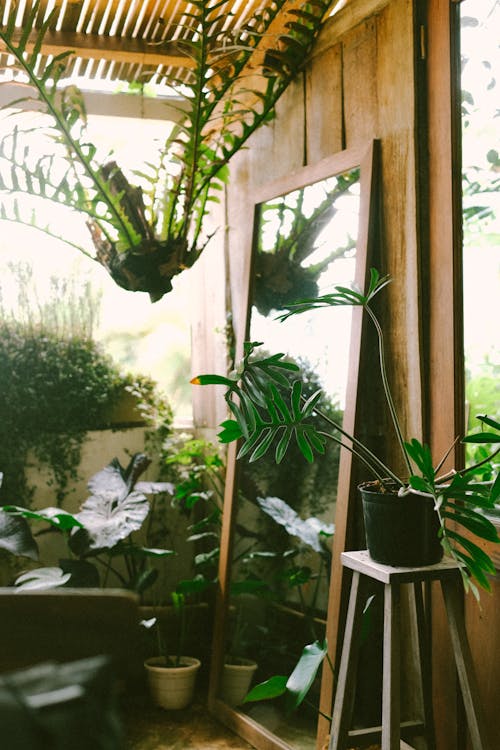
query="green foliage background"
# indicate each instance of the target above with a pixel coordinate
(53, 391)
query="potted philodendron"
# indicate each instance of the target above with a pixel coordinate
(269, 410)
(427, 506)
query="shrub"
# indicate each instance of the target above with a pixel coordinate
(53, 391)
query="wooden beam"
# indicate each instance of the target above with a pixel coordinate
(107, 103)
(345, 19)
(114, 49)
(141, 52)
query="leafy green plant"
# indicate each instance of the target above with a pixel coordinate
(291, 577)
(100, 537)
(53, 391)
(146, 233)
(196, 471)
(289, 230)
(262, 417)
(300, 568)
(190, 515)
(297, 685)
(299, 483)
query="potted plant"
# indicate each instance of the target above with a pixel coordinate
(239, 667)
(289, 580)
(237, 676)
(195, 469)
(171, 675)
(435, 503)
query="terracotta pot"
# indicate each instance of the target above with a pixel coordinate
(236, 680)
(400, 531)
(172, 687)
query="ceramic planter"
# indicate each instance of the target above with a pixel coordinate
(172, 687)
(236, 680)
(400, 531)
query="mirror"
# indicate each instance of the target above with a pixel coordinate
(279, 590)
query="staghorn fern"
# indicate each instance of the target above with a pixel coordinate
(146, 235)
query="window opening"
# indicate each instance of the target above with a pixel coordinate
(142, 338)
(481, 205)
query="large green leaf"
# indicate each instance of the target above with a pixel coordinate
(16, 536)
(302, 677)
(310, 530)
(57, 517)
(271, 688)
(114, 510)
(42, 578)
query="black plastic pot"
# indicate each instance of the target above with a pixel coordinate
(400, 531)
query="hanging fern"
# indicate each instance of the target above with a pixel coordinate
(145, 235)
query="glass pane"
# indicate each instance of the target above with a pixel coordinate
(305, 244)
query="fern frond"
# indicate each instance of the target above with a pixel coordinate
(134, 227)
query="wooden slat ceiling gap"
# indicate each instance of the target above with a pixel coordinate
(125, 40)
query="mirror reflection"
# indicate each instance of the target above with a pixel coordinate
(304, 244)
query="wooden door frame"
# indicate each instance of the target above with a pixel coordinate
(443, 328)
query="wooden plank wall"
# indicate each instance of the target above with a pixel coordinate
(359, 85)
(338, 105)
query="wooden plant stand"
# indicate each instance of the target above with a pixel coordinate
(393, 733)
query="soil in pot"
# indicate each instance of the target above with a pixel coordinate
(172, 687)
(400, 531)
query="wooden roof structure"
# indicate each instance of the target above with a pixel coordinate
(131, 41)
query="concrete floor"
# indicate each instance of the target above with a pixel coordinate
(150, 728)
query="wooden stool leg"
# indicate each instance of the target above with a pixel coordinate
(391, 719)
(425, 666)
(451, 586)
(346, 682)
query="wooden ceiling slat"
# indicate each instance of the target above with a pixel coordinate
(71, 16)
(112, 48)
(117, 19)
(85, 16)
(107, 18)
(151, 26)
(131, 32)
(96, 17)
(129, 19)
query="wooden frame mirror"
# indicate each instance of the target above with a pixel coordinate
(312, 230)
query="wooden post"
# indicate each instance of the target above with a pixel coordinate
(444, 388)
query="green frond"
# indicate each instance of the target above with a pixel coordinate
(218, 115)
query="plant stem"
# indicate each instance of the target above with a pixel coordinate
(387, 390)
(109, 569)
(364, 459)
